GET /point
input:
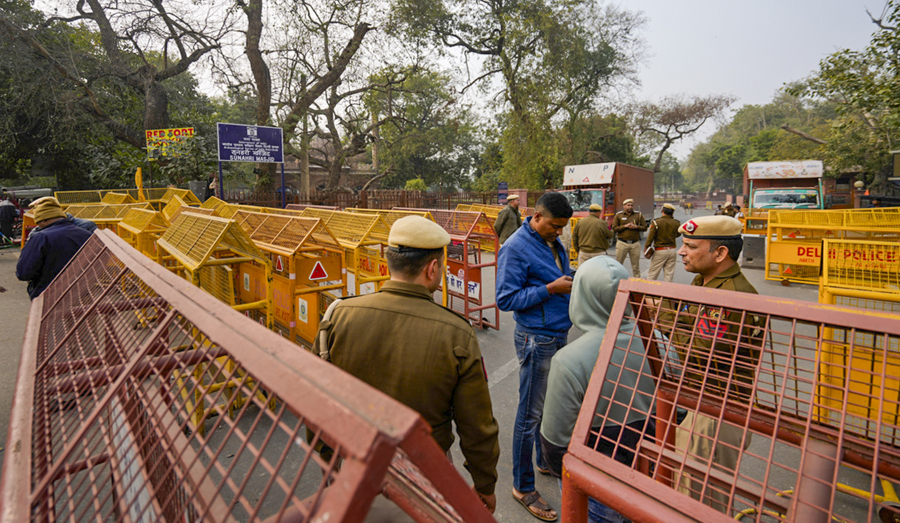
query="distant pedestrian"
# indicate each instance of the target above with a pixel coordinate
(49, 247)
(718, 210)
(628, 225)
(591, 235)
(728, 210)
(876, 203)
(508, 220)
(661, 244)
(8, 215)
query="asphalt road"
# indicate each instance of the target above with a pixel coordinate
(496, 346)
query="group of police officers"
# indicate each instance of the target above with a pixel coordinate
(403, 343)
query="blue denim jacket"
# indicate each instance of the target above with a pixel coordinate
(524, 268)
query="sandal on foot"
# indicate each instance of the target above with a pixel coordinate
(532, 503)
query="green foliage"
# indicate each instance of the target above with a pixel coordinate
(431, 136)
(863, 85)
(416, 184)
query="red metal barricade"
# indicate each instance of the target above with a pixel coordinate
(468, 273)
(748, 373)
(100, 431)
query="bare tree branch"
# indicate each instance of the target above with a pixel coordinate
(803, 135)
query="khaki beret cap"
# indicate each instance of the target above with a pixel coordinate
(629, 200)
(668, 206)
(417, 232)
(47, 209)
(512, 197)
(727, 204)
(712, 228)
(596, 207)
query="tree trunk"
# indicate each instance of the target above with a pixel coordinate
(156, 105)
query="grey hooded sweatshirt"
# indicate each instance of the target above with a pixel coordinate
(593, 294)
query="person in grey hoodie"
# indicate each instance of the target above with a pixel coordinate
(593, 294)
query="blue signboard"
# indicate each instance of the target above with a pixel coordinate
(502, 188)
(250, 143)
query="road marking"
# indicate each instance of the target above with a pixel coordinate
(501, 373)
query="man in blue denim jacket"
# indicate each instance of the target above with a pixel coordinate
(534, 281)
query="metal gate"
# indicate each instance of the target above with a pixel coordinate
(100, 432)
(746, 372)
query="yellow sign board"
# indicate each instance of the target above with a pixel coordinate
(810, 254)
(159, 140)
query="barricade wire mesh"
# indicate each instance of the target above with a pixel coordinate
(107, 385)
(862, 265)
(782, 401)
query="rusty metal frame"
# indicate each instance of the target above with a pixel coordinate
(804, 450)
(97, 431)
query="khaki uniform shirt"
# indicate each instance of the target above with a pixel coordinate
(729, 212)
(663, 231)
(716, 328)
(591, 235)
(507, 222)
(401, 342)
(629, 235)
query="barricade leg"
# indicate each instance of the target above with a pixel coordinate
(574, 502)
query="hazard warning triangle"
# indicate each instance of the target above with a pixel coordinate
(788, 271)
(586, 179)
(792, 235)
(318, 272)
(279, 265)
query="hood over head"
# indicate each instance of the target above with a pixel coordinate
(594, 292)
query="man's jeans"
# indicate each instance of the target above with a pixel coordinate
(534, 352)
(600, 513)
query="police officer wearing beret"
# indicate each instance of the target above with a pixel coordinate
(628, 225)
(403, 343)
(591, 235)
(661, 244)
(508, 220)
(713, 344)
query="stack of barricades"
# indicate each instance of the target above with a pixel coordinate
(99, 431)
(156, 196)
(794, 242)
(364, 238)
(717, 407)
(106, 216)
(308, 269)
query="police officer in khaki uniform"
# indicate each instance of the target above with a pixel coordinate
(714, 345)
(628, 225)
(508, 220)
(728, 210)
(401, 342)
(591, 235)
(661, 243)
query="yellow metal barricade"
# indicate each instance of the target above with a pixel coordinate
(212, 252)
(756, 221)
(117, 198)
(96, 196)
(172, 208)
(794, 241)
(308, 269)
(364, 239)
(222, 208)
(104, 215)
(141, 228)
(862, 275)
